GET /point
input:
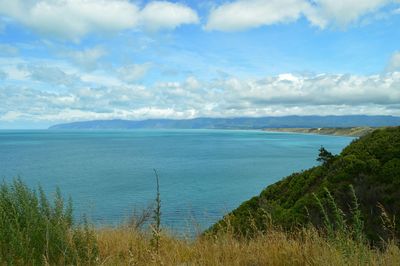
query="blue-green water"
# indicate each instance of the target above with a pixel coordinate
(203, 173)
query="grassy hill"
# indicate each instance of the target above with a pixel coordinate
(370, 164)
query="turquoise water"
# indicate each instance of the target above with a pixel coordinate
(203, 173)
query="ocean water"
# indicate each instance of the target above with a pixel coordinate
(203, 173)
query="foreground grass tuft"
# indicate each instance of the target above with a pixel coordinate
(35, 231)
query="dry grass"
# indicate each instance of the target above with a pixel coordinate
(305, 247)
(42, 234)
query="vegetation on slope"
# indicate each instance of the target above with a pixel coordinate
(335, 131)
(370, 164)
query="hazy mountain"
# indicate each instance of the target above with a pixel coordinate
(239, 123)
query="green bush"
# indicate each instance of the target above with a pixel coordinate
(391, 171)
(34, 231)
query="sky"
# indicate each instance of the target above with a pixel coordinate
(75, 60)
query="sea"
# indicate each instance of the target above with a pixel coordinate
(203, 174)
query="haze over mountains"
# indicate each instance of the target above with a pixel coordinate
(239, 123)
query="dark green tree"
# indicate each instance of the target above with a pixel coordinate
(324, 156)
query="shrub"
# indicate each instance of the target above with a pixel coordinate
(34, 231)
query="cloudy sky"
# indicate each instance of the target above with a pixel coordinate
(72, 60)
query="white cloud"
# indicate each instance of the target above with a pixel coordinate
(394, 63)
(47, 72)
(79, 115)
(342, 12)
(162, 14)
(51, 91)
(133, 72)
(244, 14)
(99, 96)
(3, 75)
(100, 80)
(87, 58)
(50, 75)
(192, 83)
(16, 73)
(8, 50)
(73, 19)
(10, 116)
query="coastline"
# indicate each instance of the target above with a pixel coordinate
(335, 131)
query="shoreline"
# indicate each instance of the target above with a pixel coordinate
(330, 131)
(334, 131)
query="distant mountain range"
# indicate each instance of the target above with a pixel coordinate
(239, 123)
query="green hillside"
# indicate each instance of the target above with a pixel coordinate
(370, 164)
(335, 131)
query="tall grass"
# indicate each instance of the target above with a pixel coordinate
(345, 233)
(341, 242)
(306, 246)
(35, 231)
(336, 223)
(156, 225)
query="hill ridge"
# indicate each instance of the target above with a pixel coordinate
(293, 121)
